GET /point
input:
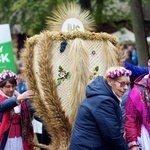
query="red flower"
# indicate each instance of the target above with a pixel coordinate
(60, 33)
(93, 33)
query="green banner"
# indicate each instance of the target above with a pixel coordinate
(7, 61)
(7, 57)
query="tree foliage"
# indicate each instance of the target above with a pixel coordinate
(108, 11)
(32, 15)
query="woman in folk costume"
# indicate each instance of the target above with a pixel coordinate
(137, 125)
(16, 131)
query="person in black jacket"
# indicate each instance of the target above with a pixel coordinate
(99, 119)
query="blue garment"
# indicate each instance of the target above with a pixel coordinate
(7, 105)
(98, 121)
(22, 87)
(136, 71)
(135, 58)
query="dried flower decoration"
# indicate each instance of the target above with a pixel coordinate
(94, 75)
(7, 74)
(93, 33)
(93, 52)
(63, 46)
(62, 75)
(60, 33)
(64, 36)
(119, 73)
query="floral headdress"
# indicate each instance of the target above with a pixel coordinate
(7, 74)
(119, 73)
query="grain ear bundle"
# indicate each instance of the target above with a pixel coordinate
(58, 66)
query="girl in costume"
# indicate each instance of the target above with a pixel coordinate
(99, 119)
(137, 125)
(16, 132)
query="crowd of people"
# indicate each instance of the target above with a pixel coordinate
(130, 53)
(115, 114)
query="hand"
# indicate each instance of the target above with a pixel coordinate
(26, 95)
(134, 148)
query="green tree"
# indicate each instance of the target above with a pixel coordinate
(108, 12)
(31, 15)
(85, 4)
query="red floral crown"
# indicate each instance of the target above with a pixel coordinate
(119, 73)
(7, 74)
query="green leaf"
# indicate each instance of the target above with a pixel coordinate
(68, 75)
(60, 68)
(59, 81)
(96, 68)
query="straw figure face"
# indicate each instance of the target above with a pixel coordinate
(58, 66)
